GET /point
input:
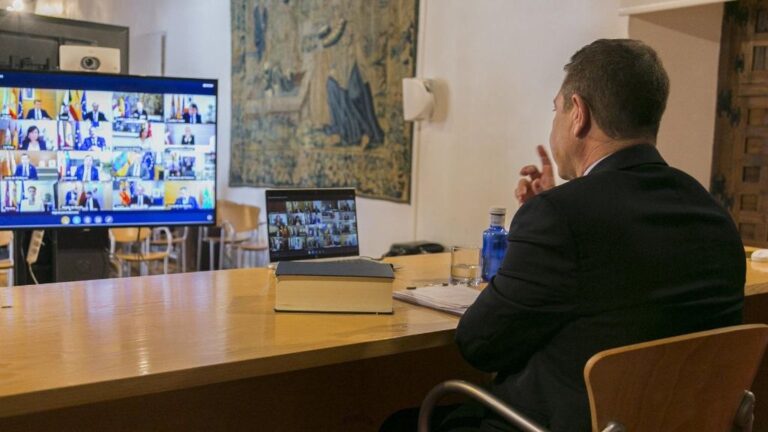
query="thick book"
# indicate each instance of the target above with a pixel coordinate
(354, 286)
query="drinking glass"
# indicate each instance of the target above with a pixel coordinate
(465, 265)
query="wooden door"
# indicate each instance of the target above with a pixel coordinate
(740, 161)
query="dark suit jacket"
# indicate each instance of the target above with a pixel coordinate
(186, 117)
(43, 113)
(100, 117)
(94, 204)
(187, 140)
(146, 200)
(88, 143)
(25, 144)
(80, 173)
(191, 203)
(32, 175)
(634, 251)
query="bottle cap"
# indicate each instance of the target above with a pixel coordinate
(498, 211)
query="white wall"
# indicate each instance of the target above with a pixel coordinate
(499, 64)
(688, 42)
(502, 63)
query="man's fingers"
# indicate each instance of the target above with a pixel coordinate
(537, 186)
(546, 163)
(543, 155)
(523, 186)
(530, 170)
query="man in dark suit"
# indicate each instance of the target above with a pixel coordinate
(629, 250)
(25, 169)
(140, 199)
(86, 171)
(140, 113)
(91, 203)
(74, 196)
(37, 113)
(192, 116)
(92, 141)
(95, 116)
(185, 201)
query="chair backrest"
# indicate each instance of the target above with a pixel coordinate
(129, 235)
(242, 217)
(6, 238)
(693, 382)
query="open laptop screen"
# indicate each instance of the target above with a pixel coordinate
(311, 223)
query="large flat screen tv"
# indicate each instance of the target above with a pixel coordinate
(91, 150)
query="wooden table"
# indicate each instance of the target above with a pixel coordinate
(206, 351)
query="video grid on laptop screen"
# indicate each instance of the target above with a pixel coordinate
(311, 223)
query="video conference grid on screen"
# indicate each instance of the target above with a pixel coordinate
(312, 225)
(74, 156)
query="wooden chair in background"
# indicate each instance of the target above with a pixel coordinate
(6, 265)
(238, 222)
(178, 246)
(134, 247)
(697, 382)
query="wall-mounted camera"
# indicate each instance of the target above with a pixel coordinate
(90, 63)
(87, 58)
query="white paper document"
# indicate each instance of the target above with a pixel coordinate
(454, 299)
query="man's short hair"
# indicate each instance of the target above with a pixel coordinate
(624, 84)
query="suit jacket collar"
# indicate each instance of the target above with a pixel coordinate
(630, 157)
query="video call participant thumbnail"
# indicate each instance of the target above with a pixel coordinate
(93, 142)
(87, 171)
(74, 195)
(25, 170)
(140, 197)
(33, 140)
(26, 196)
(37, 112)
(185, 201)
(91, 202)
(31, 201)
(95, 115)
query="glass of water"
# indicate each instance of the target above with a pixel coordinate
(465, 265)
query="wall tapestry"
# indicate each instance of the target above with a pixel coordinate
(317, 94)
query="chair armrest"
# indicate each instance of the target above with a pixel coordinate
(490, 401)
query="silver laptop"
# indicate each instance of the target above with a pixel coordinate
(311, 224)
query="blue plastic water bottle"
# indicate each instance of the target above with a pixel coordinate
(494, 243)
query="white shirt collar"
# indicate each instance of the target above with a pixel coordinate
(594, 164)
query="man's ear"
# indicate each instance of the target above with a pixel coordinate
(580, 116)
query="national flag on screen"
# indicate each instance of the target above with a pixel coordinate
(120, 164)
(173, 108)
(149, 130)
(74, 107)
(15, 135)
(20, 111)
(12, 109)
(128, 107)
(76, 144)
(6, 164)
(64, 109)
(84, 106)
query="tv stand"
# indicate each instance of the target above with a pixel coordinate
(71, 254)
